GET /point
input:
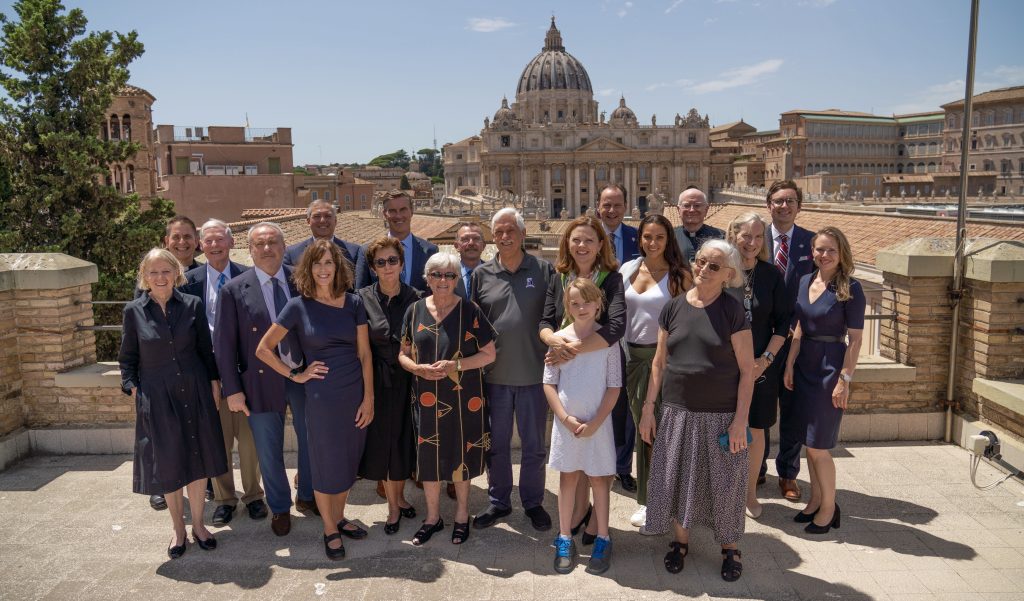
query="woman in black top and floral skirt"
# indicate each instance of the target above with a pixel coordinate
(763, 295)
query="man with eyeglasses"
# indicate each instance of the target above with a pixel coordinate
(789, 248)
(398, 212)
(469, 243)
(323, 221)
(510, 289)
(693, 209)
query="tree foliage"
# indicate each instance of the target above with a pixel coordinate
(404, 183)
(398, 158)
(59, 81)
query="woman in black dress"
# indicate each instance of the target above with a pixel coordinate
(584, 251)
(763, 295)
(330, 327)
(167, 367)
(390, 452)
(446, 342)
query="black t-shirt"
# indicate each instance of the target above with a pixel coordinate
(701, 372)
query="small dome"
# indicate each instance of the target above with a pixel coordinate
(505, 115)
(623, 112)
(553, 68)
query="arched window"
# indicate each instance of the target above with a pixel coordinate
(932, 167)
(126, 126)
(115, 127)
(105, 130)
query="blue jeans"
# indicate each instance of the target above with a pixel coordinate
(526, 406)
(268, 432)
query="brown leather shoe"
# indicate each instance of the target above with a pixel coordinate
(304, 506)
(451, 491)
(380, 489)
(281, 523)
(790, 489)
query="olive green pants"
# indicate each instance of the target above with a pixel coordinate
(638, 374)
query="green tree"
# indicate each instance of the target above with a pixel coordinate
(59, 81)
(404, 184)
(398, 158)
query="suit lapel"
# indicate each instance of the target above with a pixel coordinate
(252, 297)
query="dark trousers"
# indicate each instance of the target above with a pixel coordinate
(623, 425)
(792, 428)
(528, 408)
(268, 432)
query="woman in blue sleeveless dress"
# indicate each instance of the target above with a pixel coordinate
(820, 365)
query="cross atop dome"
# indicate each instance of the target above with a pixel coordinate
(553, 39)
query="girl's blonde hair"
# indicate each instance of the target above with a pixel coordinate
(588, 291)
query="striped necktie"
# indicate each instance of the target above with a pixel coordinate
(221, 281)
(782, 254)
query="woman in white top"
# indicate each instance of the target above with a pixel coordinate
(658, 274)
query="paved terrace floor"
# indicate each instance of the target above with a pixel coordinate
(913, 527)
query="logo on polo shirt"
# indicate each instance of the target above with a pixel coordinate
(529, 283)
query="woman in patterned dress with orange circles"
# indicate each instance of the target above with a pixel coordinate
(446, 341)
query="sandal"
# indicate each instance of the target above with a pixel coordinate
(356, 533)
(674, 560)
(584, 521)
(731, 569)
(426, 531)
(460, 532)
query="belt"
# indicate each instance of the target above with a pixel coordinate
(632, 345)
(826, 338)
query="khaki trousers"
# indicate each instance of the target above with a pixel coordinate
(236, 427)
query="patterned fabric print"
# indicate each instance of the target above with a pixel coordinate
(692, 479)
(453, 438)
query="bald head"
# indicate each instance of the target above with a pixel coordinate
(693, 208)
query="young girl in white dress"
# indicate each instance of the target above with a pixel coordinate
(581, 392)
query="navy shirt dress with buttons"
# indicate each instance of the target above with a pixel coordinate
(168, 359)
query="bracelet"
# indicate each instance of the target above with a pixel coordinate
(564, 418)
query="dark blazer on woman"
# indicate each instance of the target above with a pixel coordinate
(613, 308)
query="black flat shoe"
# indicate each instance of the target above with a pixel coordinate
(357, 534)
(222, 515)
(426, 531)
(392, 527)
(175, 552)
(206, 545)
(157, 502)
(676, 558)
(490, 516)
(583, 522)
(803, 518)
(731, 569)
(407, 512)
(627, 481)
(813, 528)
(460, 532)
(334, 554)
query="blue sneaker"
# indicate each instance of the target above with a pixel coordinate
(600, 559)
(565, 555)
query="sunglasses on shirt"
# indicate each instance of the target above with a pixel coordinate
(448, 275)
(392, 260)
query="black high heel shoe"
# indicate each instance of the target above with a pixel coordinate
(206, 545)
(813, 528)
(803, 518)
(583, 522)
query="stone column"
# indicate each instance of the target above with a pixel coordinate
(547, 188)
(654, 177)
(627, 181)
(591, 185)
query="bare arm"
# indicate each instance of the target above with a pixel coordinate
(841, 393)
(265, 353)
(648, 426)
(794, 350)
(743, 346)
(364, 415)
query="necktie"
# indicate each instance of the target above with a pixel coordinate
(782, 254)
(469, 283)
(615, 246)
(280, 300)
(223, 279)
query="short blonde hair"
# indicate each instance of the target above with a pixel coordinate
(159, 254)
(589, 292)
(744, 219)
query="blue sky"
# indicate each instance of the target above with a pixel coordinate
(354, 80)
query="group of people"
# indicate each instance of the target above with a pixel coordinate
(679, 346)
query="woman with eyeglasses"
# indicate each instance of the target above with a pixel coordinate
(763, 294)
(584, 251)
(446, 342)
(704, 368)
(660, 273)
(820, 365)
(390, 452)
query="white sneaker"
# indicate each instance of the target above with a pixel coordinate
(640, 517)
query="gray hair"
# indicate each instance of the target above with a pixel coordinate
(440, 261)
(319, 201)
(742, 219)
(732, 257)
(212, 223)
(703, 196)
(262, 225)
(509, 212)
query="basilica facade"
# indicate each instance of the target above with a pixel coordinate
(554, 143)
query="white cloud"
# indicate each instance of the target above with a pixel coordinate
(934, 96)
(675, 4)
(710, 20)
(608, 92)
(488, 24)
(738, 77)
(1013, 74)
(817, 3)
(679, 83)
(622, 12)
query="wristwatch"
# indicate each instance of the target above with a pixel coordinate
(769, 356)
(846, 377)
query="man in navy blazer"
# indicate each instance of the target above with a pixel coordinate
(789, 248)
(246, 307)
(469, 243)
(205, 282)
(398, 216)
(611, 208)
(323, 221)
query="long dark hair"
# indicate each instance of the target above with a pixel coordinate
(680, 276)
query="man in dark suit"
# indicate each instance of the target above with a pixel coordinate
(398, 216)
(205, 282)
(246, 307)
(789, 248)
(611, 208)
(469, 243)
(693, 209)
(323, 220)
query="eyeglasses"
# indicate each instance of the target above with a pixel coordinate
(692, 206)
(392, 260)
(448, 275)
(826, 251)
(702, 263)
(781, 202)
